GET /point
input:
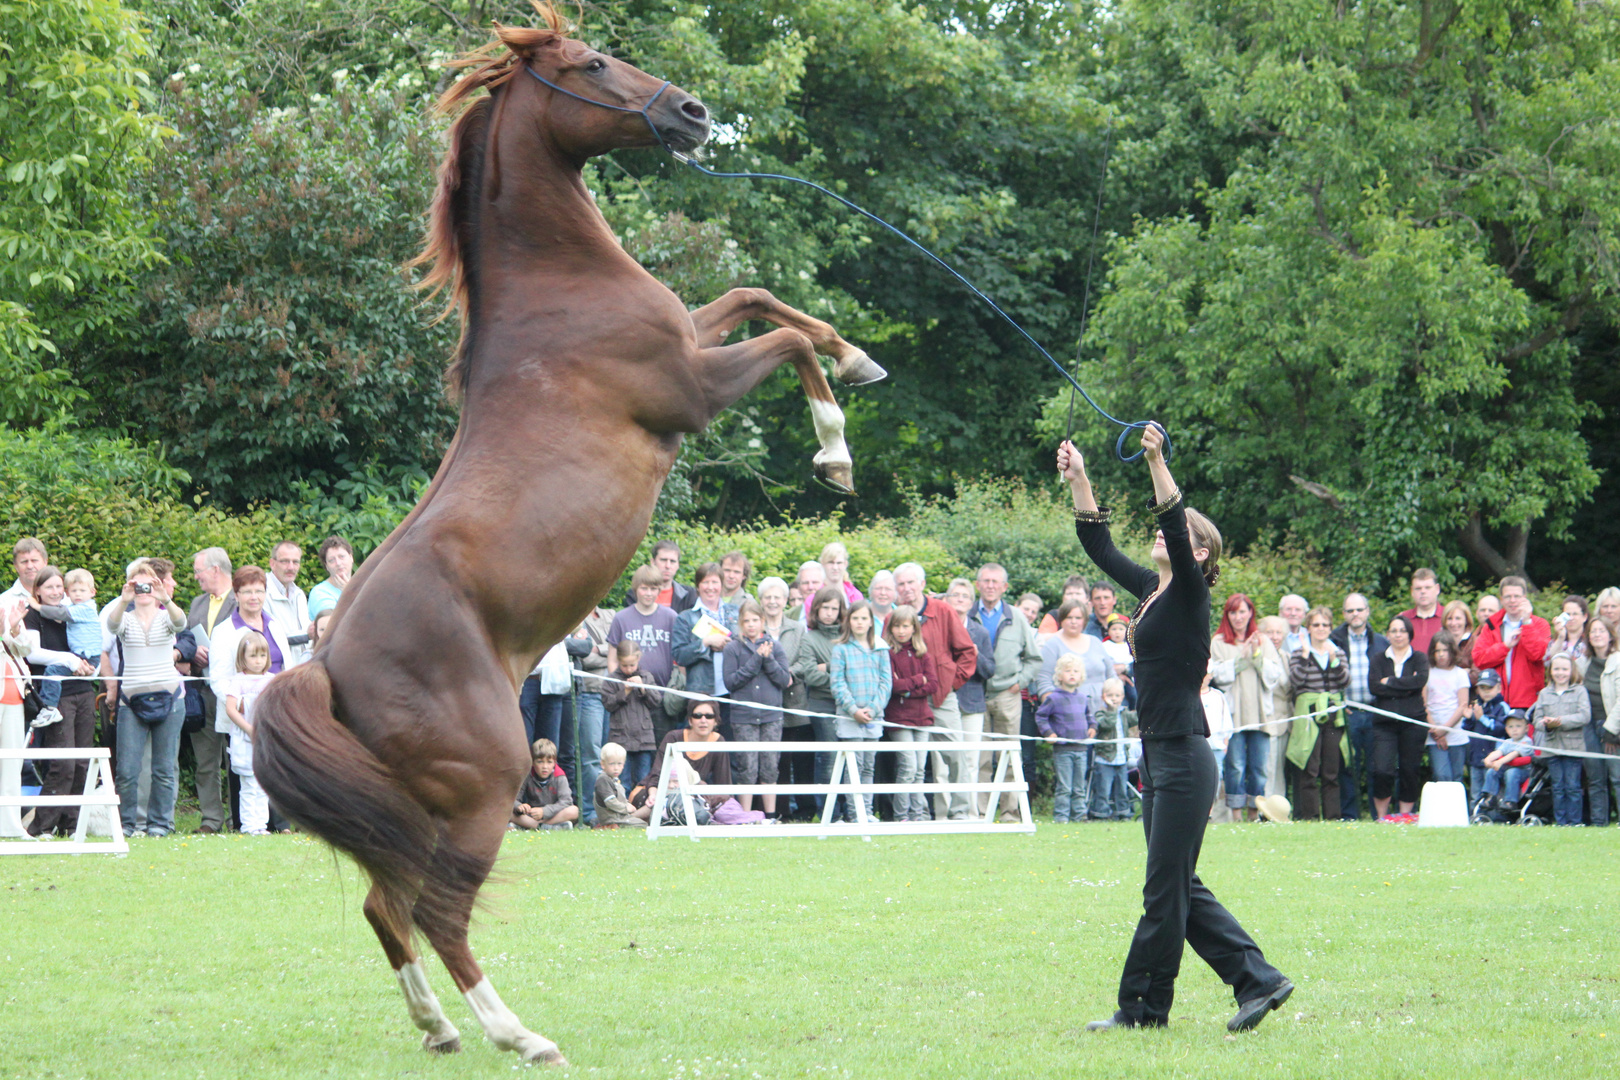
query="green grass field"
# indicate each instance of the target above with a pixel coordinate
(1482, 952)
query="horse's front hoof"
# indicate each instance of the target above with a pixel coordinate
(451, 1045)
(836, 477)
(858, 369)
(549, 1057)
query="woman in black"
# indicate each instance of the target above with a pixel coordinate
(1397, 677)
(1169, 638)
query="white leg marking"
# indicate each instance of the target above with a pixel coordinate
(505, 1031)
(829, 421)
(424, 1007)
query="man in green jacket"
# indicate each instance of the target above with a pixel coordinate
(1018, 661)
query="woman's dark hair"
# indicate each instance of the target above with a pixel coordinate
(1579, 601)
(705, 570)
(45, 575)
(1404, 621)
(826, 595)
(1443, 639)
(693, 704)
(1064, 611)
(334, 542)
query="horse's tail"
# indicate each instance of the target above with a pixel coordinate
(320, 775)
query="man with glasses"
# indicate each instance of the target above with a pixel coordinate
(285, 603)
(1359, 641)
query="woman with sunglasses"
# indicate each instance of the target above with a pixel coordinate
(1169, 637)
(711, 768)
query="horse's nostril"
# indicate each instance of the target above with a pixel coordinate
(695, 110)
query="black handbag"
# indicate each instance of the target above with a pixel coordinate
(151, 708)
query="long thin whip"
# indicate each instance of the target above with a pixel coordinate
(1074, 384)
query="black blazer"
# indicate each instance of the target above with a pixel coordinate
(1400, 694)
(1376, 643)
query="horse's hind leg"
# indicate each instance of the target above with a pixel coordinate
(392, 922)
(468, 851)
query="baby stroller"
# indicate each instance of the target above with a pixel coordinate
(1534, 805)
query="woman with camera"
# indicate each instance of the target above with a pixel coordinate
(151, 705)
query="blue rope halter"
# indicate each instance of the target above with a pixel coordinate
(643, 111)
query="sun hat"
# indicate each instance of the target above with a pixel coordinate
(1274, 808)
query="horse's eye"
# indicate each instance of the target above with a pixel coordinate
(595, 66)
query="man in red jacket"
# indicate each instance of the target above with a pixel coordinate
(955, 658)
(1514, 642)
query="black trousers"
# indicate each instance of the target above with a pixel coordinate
(1178, 785)
(1397, 749)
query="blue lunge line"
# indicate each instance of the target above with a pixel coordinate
(1119, 445)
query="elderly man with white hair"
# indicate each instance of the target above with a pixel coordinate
(1292, 608)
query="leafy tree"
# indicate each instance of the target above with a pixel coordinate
(76, 126)
(283, 332)
(1363, 330)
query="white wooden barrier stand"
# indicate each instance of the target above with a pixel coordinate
(98, 791)
(845, 780)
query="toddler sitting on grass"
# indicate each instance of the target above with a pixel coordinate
(613, 809)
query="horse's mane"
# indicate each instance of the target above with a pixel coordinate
(446, 250)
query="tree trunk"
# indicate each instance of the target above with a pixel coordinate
(1498, 563)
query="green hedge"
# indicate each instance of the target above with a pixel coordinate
(99, 502)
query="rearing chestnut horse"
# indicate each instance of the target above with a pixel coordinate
(400, 742)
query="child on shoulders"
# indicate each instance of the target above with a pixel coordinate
(545, 800)
(613, 809)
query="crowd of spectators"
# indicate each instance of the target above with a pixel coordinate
(139, 674)
(1345, 717)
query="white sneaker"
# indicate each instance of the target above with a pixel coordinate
(47, 717)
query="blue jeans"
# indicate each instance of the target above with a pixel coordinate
(1505, 783)
(1069, 801)
(637, 764)
(1245, 768)
(1479, 783)
(50, 690)
(1567, 773)
(1353, 773)
(165, 739)
(1109, 800)
(592, 730)
(542, 713)
(826, 730)
(1449, 763)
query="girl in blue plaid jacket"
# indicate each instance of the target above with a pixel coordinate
(861, 680)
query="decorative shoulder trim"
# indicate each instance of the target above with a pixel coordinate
(1100, 516)
(1160, 509)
